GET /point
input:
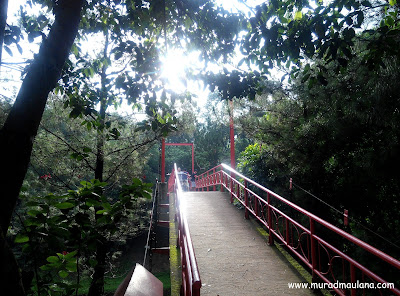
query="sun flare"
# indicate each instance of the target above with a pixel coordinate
(174, 69)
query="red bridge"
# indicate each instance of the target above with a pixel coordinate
(232, 236)
(224, 249)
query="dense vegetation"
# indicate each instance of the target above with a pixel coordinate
(73, 169)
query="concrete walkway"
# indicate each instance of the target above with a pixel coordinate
(233, 258)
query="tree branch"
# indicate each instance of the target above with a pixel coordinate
(68, 145)
(116, 168)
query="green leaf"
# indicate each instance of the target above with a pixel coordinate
(21, 238)
(360, 18)
(87, 149)
(305, 77)
(91, 202)
(85, 184)
(19, 48)
(63, 273)
(45, 267)
(64, 205)
(118, 55)
(74, 50)
(70, 255)
(389, 21)
(392, 2)
(52, 259)
(34, 213)
(86, 71)
(298, 15)
(71, 266)
(8, 50)
(101, 212)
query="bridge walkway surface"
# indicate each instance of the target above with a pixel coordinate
(233, 257)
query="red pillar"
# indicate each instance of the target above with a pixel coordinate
(232, 135)
(163, 160)
(193, 159)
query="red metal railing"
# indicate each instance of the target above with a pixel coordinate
(327, 262)
(191, 282)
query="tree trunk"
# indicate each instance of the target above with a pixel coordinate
(97, 284)
(20, 128)
(9, 270)
(99, 169)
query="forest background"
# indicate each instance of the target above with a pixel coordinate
(75, 170)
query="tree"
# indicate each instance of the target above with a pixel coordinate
(59, 235)
(295, 33)
(72, 147)
(20, 128)
(148, 21)
(338, 141)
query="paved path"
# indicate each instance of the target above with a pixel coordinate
(233, 258)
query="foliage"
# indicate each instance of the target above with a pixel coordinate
(294, 33)
(73, 147)
(338, 141)
(209, 131)
(335, 128)
(66, 226)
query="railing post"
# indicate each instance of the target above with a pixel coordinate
(231, 189)
(246, 200)
(214, 179)
(313, 249)
(208, 181)
(271, 235)
(221, 179)
(353, 291)
(256, 211)
(287, 231)
(238, 190)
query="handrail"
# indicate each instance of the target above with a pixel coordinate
(191, 282)
(152, 216)
(143, 278)
(302, 240)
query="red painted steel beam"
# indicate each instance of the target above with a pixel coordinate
(232, 136)
(191, 282)
(315, 240)
(163, 223)
(378, 253)
(192, 159)
(162, 251)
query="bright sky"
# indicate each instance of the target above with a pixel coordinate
(10, 74)
(174, 64)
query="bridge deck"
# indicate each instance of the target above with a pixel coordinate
(233, 257)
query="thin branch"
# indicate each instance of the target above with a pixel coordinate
(55, 175)
(134, 147)
(16, 63)
(116, 168)
(68, 145)
(123, 69)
